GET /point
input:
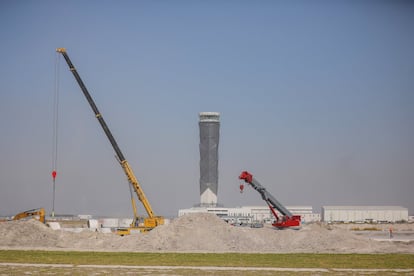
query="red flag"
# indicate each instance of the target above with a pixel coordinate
(54, 175)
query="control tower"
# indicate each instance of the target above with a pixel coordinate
(209, 124)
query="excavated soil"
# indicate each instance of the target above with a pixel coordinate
(200, 233)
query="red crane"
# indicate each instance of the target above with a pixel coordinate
(284, 221)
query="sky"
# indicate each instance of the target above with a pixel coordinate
(316, 101)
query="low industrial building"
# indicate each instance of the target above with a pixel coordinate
(250, 214)
(359, 214)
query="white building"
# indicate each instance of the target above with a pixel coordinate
(249, 214)
(364, 214)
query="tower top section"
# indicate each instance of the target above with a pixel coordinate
(209, 117)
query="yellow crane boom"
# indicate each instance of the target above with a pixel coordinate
(40, 213)
(143, 223)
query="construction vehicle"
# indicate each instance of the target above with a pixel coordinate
(286, 220)
(38, 213)
(143, 224)
(123, 231)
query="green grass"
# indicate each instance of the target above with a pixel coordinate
(383, 261)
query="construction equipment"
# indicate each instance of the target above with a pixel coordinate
(144, 224)
(287, 219)
(123, 231)
(38, 213)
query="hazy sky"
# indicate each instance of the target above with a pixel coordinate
(316, 101)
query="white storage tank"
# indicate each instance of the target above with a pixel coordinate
(93, 224)
(110, 222)
(125, 222)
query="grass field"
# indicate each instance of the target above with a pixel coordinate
(354, 261)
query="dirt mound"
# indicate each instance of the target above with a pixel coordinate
(27, 233)
(198, 233)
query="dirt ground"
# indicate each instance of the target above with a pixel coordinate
(207, 233)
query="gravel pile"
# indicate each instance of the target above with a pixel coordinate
(198, 233)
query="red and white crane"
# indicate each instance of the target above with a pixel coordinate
(287, 219)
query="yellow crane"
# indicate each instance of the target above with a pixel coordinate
(142, 223)
(35, 213)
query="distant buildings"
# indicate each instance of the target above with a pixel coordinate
(364, 214)
(249, 214)
(335, 214)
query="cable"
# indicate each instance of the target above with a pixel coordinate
(55, 128)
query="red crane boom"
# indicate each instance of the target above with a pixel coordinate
(287, 219)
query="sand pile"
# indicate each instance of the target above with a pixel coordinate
(28, 234)
(198, 233)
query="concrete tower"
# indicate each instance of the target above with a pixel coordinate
(209, 124)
